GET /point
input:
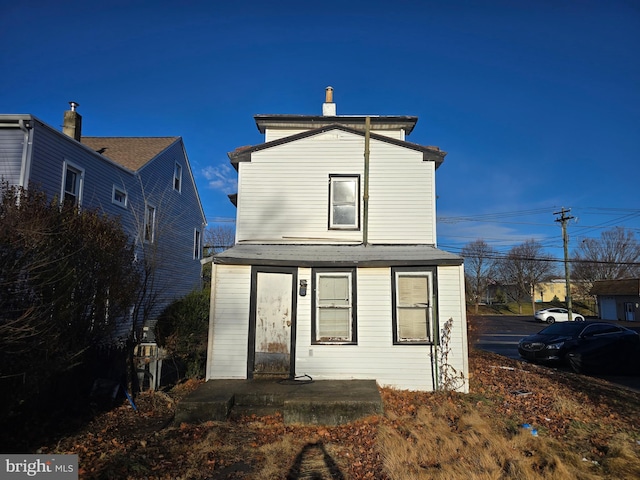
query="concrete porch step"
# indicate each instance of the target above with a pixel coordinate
(323, 402)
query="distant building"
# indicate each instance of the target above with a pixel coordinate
(618, 299)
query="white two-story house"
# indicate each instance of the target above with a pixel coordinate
(335, 272)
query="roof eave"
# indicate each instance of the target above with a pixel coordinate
(386, 122)
(243, 154)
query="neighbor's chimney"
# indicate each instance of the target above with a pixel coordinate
(72, 125)
(328, 107)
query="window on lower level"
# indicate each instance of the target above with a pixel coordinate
(344, 207)
(334, 302)
(412, 305)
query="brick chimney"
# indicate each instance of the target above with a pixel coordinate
(328, 107)
(72, 124)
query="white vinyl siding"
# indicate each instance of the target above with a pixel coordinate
(228, 334)
(278, 133)
(451, 305)
(288, 185)
(374, 357)
(401, 196)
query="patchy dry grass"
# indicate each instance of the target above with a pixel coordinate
(587, 429)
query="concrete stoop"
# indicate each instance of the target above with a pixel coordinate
(323, 402)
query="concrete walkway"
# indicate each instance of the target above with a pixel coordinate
(322, 402)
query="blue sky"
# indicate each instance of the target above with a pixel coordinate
(537, 103)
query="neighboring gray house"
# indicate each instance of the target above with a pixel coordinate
(147, 182)
(335, 272)
(618, 299)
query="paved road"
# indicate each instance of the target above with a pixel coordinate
(501, 333)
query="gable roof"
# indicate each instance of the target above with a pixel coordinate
(243, 154)
(130, 152)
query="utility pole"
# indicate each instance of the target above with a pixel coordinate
(564, 218)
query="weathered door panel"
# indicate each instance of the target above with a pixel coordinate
(274, 318)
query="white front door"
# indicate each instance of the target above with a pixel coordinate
(274, 318)
(629, 312)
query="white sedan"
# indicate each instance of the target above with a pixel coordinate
(552, 315)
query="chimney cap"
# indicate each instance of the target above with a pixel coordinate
(328, 94)
(74, 105)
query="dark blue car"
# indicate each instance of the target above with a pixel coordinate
(588, 346)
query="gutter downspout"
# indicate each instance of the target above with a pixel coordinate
(25, 167)
(365, 198)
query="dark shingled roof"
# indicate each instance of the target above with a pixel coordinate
(130, 152)
(630, 286)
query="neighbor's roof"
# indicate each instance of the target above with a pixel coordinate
(429, 153)
(130, 152)
(629, 286)
(336, 255)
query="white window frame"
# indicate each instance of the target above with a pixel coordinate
(149, 232)
(68, 166)
(177, 177)
(197, 244)
(351, 337)
(399, 306)
(333, 204)
(123, 193)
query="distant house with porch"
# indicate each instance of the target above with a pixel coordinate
(335, 272)
(618, 299)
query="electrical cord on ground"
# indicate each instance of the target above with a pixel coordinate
(297, 380)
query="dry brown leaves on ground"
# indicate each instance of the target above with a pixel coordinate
(586, 429)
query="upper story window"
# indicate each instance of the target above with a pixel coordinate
(334, 312)
(72, 183)
(412, 312)
(344, 207)
(177, 177)
(149, 223)
(119, 197)
(197, 244)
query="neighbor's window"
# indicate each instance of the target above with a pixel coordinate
(334, 298)
(344, 193)
(149, 223)
(412, 306)
(119, 197)
(72, 183)
(197, 244)
(177, 177)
